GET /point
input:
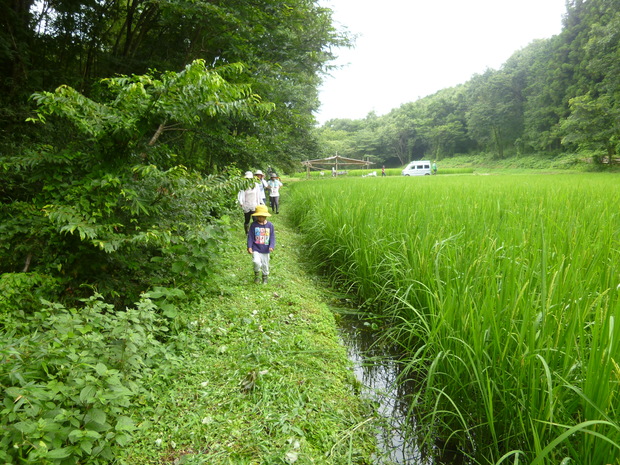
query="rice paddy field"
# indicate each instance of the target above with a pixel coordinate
(502, 293)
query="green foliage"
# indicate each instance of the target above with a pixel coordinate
(134, 105)
(23, 291)
(121, 231)
(495, 115)
(592, 127)
(503, 294)
(168, 297)
(100, 211)
(73, 45)
(68, 378)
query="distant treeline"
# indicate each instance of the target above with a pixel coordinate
(557, 95)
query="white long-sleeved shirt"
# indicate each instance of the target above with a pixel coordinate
(250, 198)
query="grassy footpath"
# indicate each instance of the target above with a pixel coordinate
(260, 376)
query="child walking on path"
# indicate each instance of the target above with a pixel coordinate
(274, 192)
(261, 242)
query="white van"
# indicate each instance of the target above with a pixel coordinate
(417, 168)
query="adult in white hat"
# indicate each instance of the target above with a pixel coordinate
(248, 200)
(263, 184)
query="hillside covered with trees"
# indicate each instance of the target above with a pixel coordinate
(556, 96)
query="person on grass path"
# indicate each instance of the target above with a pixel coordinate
(274, 193)
(262, 184)
(248, 200)
(261, 242)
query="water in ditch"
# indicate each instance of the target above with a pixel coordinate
(377, 370)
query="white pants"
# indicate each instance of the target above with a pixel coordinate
(261, 262)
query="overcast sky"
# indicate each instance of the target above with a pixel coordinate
(408, 49)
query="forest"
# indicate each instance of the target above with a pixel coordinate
(557, 96)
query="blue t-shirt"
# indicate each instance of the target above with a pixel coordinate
(261, 237)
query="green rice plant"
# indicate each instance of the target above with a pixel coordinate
(503, 292)
(462, 170)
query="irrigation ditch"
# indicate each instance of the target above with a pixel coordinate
(503, 295)
(378, 368)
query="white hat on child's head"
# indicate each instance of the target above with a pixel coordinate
(248, 175)
(259, 172)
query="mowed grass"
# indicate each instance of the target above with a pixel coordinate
(259, 375)
(503, 292)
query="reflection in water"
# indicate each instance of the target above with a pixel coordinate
(378, 373)
(377, 368)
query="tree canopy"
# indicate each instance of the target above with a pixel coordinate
(125, 125)
(285, 47)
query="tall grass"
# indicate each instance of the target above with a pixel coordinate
(503, 292)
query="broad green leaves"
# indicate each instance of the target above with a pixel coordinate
(69, 379)
(174, 99)
(114, 206)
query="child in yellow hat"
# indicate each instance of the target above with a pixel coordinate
(261, 242)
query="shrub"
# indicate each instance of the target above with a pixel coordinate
(23, 290)
(68, 378)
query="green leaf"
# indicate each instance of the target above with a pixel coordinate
(169, 310)
(76, 435)
(26, 427)
(87, 394)
(122, 439)
(125, 424)
(95, 415)
(178, 267)
(101, 369)
(61, 453)
(175, 292)
(87, 446)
